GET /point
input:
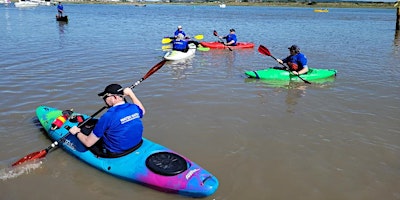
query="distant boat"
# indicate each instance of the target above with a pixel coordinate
(5, 2)
(25, 4)
(321, 10)
(222, 5)
(42, 2)
(140, 5)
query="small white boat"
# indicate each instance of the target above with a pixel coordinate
(178, 55)
(5, 2)
(43, 2)
(222, 5)
(25, 4)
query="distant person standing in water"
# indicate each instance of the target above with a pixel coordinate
(60, 9)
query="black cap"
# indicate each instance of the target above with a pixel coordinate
(294, 47)
(112, 89)
(232, 30)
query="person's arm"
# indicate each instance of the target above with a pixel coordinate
(231, 42)
(281, 61)
(303, 71)
(135, 100)
(88, 141)
(303, 61)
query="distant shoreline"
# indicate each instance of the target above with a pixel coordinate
(387, 5)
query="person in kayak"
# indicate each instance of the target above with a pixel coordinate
(180, 44)
(120, 128)
(60, 9)
(180, 31)
(296, 61)
(231, 38)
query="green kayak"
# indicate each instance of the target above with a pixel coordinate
(283, 75)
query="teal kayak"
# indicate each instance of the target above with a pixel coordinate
(149, 163)
(284, 75)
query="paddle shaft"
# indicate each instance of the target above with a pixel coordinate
(216, 35)
(170, 39)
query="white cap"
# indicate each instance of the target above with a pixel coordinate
(179, 26)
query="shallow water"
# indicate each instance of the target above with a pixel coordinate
(334, 140)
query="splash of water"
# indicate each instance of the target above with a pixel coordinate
(13, 172)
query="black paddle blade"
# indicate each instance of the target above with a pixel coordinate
(264, 50)
(215, 33)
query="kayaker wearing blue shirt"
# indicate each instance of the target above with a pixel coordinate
(179, 30)
(180, 44)
(60, 9)
(120, 128)
(231, 38)
(296, 61)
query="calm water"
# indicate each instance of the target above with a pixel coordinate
(334, 140)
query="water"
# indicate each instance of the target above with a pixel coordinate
(334, 140)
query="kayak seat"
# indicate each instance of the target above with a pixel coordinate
(98, 148)
(166, 163)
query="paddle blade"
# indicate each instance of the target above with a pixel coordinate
(199, 37)
(31, 157)
(154, 69)
(166, 40)
(215, 33)
(201, 48)
(165, 47)
(264, 50)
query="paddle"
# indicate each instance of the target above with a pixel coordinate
(43, 153)
(200, 48)
(170, 39)
(216, 35)
(265, 51)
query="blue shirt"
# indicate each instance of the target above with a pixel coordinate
(179, 31)
(60, 7)
(120, 127)
(300, 59)
(231, 37)
(180, 45)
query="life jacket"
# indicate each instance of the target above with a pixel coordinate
(180, 45)
(293, 66)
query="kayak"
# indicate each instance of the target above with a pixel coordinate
(219, 45)
(284, 75)
(178, 55)
(149, 163)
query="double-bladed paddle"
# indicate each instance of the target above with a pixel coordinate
(265, 51)
(216, 35)
(170, 39)
(43, 153)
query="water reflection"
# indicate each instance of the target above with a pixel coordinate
(294, 90)
(396, 41)
(61, 26)
(180, 67)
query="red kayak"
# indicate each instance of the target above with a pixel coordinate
(219, 45)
